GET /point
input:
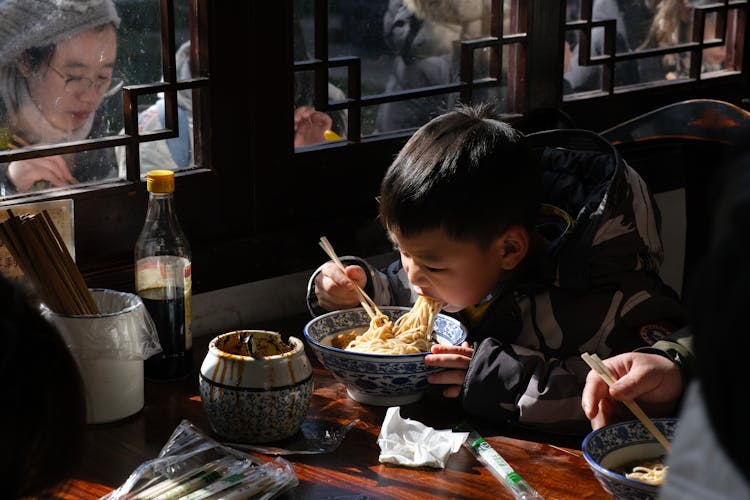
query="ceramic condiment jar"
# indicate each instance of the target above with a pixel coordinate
(254, 387)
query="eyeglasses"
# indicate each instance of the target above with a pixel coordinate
(78, 85)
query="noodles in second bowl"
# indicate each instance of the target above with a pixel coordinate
(613, 451)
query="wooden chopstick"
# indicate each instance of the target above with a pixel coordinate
(19, 140)
(71, 273)
(599, 367)
(368, 304)
(40, 252)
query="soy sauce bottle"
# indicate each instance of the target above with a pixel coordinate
(163, 272)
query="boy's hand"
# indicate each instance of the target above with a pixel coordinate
(651, 379)
(335, 290)
(455, 359)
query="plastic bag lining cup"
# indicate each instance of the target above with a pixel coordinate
(109, 349)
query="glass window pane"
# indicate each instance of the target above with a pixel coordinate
(715, 58)
(647, 27)
(141, 60)
(58, 75)
(61, 74)
(404, 115)
(403, 47)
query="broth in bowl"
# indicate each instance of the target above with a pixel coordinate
(340, 340)
(613, 451)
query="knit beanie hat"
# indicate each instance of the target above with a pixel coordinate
(37, 23)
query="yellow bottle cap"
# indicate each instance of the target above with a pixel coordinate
(160, 181)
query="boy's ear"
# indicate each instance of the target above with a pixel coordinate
(513, 246)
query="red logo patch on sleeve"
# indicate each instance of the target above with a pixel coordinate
(653, 332)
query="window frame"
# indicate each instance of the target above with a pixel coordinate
(259, 208)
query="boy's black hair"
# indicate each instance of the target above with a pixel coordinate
(465, 173)
(44, 412)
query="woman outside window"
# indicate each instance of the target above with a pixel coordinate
(56, 65)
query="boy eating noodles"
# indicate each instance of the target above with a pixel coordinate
(546, 246)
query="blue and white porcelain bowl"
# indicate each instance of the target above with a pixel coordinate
(255, 399)
(377, 379)
(609, 449)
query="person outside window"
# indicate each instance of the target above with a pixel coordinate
(545, 245)
(633, 19)
(672, 24)
(57, 69)
(177, 152)
(422, 57)
(640, 25)
(423, 36)
(310, 124)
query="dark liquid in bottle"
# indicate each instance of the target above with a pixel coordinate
(169, 317)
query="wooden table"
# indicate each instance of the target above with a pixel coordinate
(551, 464)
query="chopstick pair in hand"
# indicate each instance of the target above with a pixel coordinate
(367, 303)
(603, 370)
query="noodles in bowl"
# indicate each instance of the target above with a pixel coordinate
(378, 378)
(615, 452)
(411, 333)
(653, 472)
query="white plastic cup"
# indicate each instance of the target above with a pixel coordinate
(109, 349)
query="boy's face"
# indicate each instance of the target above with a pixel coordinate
(458, 273)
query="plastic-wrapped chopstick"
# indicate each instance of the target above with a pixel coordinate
(192, 465)
(499, 468)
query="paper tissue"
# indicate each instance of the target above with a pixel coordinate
(408, 442)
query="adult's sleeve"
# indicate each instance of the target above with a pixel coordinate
(678, 346)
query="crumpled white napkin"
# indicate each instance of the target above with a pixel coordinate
(408, 442)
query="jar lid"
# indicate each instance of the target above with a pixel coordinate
(160, 181)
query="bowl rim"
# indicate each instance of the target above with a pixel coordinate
(297, 348)
(614, 475)
(404, 357)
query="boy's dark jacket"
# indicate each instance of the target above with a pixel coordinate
(596, 290)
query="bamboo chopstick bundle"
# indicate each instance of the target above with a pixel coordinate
(603, 370)
(39, 250)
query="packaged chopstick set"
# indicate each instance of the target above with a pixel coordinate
(193, 466)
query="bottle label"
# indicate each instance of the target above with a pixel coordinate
(168, 278)
(188, 277)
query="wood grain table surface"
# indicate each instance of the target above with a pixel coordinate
(553, 465)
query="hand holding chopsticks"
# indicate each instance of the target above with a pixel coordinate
(367, 303)
(599, 367)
